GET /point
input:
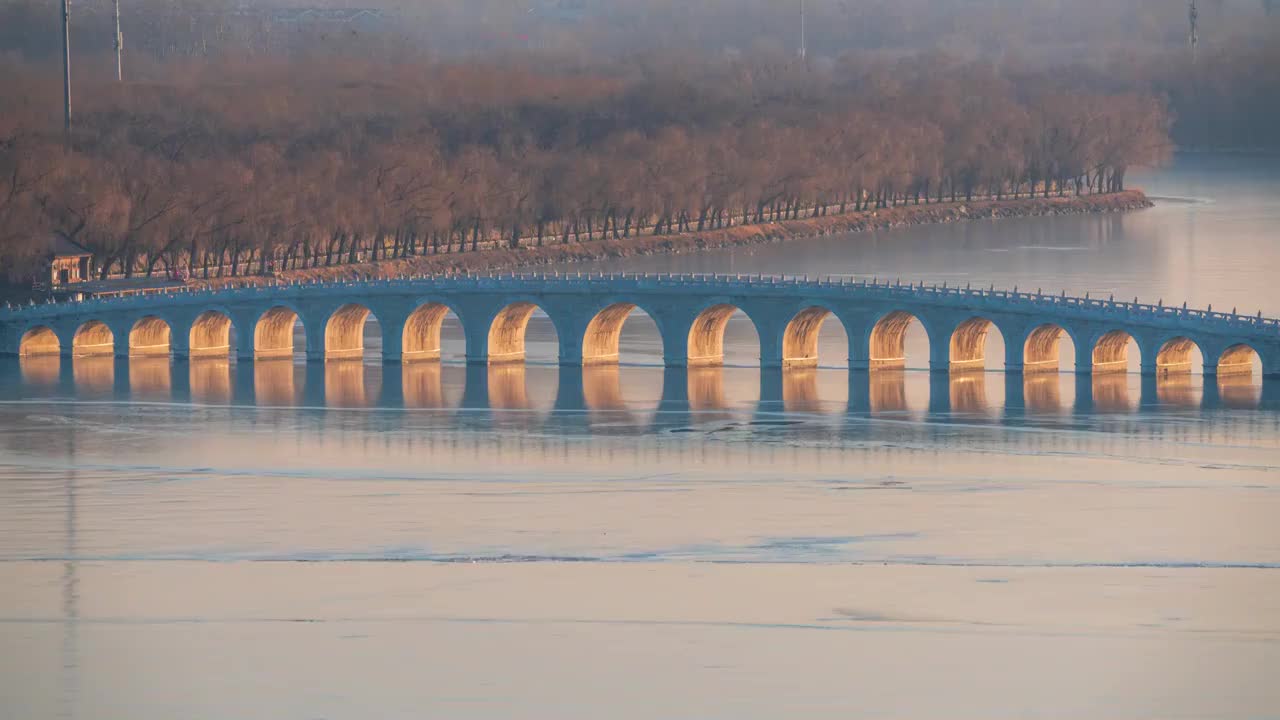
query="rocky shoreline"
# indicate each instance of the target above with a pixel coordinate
(743, 235)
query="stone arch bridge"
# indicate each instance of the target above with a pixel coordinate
(690, 312)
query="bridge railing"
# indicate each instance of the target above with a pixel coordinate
(725, 282)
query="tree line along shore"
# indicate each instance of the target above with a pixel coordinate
(497, 257)
(292, 165)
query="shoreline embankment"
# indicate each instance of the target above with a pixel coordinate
(555, 253)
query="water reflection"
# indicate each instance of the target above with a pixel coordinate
(507, 387)
(1239, 391)
(274, 382)
(1042, 392)
(40, 370)
(800, 390)
(423, 385)
(705, 389)
(210, 379)
(94, 375)
(349, 384)
(150, 378)
(888, 391)
(1178, 390)
(623, 393)
(602, 387)
(1111, 393)
(968, 391)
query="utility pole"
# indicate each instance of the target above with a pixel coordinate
(119, 46)
(803, 48)
(66, 72)
(1193, 16)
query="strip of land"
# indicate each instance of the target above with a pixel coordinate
(737, 236)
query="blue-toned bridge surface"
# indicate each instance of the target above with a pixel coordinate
(690, 311)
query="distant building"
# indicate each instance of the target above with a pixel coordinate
(366, 17)
(69, 263)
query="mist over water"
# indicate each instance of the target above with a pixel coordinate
(213, 539)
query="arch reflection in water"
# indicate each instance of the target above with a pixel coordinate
(800, 390)
(1178, 389)
(351, 384)
(1238, 391)
(706, 388)
(93, 374)
(150, 378)
(888, 391)
(507, 387)
(1112, 392)
(275, 381)
(1042, 392)
(602, 387)
(210, 379)
(967, 391)
(423, 385)
(40, 370)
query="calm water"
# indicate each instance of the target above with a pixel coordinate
(280, 540)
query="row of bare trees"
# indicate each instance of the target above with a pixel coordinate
(234, 169)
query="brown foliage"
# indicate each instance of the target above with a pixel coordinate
(228, 168)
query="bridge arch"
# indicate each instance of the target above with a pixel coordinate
(706, 334)
(93, 338)
(210, 334)
(887, 340)
(1177, 356)
(273, 333)
(508, 332)
(969, 343)
(1111, 352)
(1042, 349)
(421, 339)
(150, 337)
(602, 340)
(1238, 361)
(344, 332)
(39, 340)
(800, 337)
